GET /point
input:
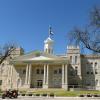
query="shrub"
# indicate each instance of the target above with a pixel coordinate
(30, 94)
(51, 94)
(23, 94)
(44, 95)
(37, 94)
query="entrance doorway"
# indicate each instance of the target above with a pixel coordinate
(57, 83)
(39, 83)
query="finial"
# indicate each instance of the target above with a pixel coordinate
(50, 31)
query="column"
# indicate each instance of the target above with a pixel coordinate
(26, 78)
(64, 77)
(63, 81)
(44, 78)
(29, 75)
(46, 75)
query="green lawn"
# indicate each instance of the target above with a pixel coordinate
(61, 92)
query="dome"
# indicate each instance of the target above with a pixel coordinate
(48, 40)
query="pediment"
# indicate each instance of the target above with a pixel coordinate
(38, 56)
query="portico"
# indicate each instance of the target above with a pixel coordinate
(51, 73)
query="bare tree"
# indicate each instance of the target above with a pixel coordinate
(89, 37)
(95, 17)
(6, 51)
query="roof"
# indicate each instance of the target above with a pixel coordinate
(38, 56)
(91, 56)
(48, 40)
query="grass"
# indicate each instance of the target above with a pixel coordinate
(61, 92)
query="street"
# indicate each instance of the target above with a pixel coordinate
(55, 98)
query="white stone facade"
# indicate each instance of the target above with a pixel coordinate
(46, 70)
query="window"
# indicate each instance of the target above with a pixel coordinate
(91, 72)
(88, 84)
(49, 51)
(97, 82)
(91, 64)
(96, 71)
(55, 71)
(71, 72)
(0, 82)
(42, 71)
(60, 70)
(76, 71)
(87, 72)
(38, 71)
(95, 65)
(70, 59)
(75, 59)
(24, 71)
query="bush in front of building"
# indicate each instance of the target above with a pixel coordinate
(37, 94)
(44, 94)
(51, 94)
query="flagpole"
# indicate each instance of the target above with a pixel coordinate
(49, 31)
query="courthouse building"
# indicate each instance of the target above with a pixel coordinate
(44, 69)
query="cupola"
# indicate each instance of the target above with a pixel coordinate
(48, 43)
